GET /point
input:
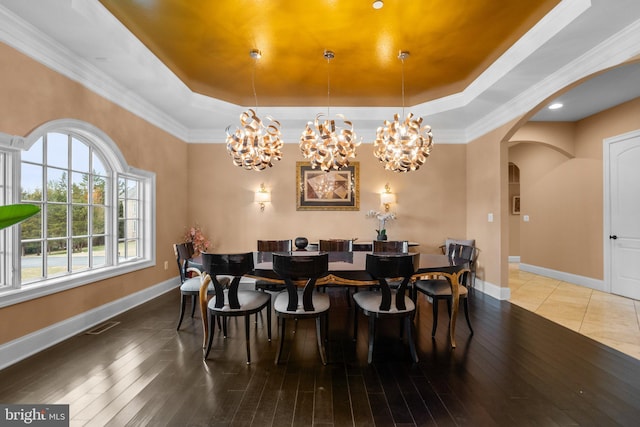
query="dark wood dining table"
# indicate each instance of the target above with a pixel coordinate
(349, 268)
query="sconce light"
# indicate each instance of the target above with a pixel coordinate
(262, 196)
(387, 197)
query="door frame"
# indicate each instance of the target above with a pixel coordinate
(606, 227)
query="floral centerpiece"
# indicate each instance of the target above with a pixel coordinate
(195, 235)
(382, 218)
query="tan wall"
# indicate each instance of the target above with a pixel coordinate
(32, 95)
(487, 192)
(430, 205)
(563, 195)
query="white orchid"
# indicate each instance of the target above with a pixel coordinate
(382, 218)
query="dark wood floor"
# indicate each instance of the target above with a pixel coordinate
(517, 370)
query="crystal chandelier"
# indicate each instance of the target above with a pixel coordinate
(323, 143)
(254, 145)
(403, 146)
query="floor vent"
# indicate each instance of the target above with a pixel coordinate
(102, 328)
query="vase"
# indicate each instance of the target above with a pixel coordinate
(381, 237)
(301, 243)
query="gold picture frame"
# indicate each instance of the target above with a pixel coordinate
(336, 190)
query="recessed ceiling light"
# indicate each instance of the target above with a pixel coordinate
(378, 4)
(555, 106)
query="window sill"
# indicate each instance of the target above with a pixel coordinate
(51, 286)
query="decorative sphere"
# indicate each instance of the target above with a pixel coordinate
(301, 243)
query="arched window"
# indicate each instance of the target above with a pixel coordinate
(96, 218)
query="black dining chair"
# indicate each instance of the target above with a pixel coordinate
(232, 302)
(337, 245)
(190, 279)
(386, 302)
(265, 248)
(301, 302)
(440, 284)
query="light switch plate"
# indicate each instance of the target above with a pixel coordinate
(490, 217)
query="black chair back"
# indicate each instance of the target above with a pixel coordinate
(460, 252)
(274, 245)
(391, 246)
(292, 267)
(236, 265)
(384, 266)
(335, 245)
(183, 254)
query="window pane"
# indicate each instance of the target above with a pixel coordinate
(80, 220)
(58, 150)
(79, 187)
(31, 262)
(57, 261)
(31, 182)
(127, 250)
(79, 156)
(98, 166)
(121, 232)
(99, 189)
(98, 251)
(32, 227)
(132, 209)
(34, 154)
(99, 215)
(121, 188)
(56, 220)
(132, 229)
(80, 255)
(56, 185)
(132, 189)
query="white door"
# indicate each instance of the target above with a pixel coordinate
(623, 234)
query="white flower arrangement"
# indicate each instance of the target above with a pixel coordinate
(383, 218)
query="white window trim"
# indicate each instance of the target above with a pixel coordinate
(13, 144)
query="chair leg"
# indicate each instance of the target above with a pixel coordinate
(409, 333)
(247, 320)
(210, 338)
(348, 293)
(435, 317)
(183, 305)
(224, 327)
(372, 335)
(282, 332)
(355, 324)
(269, 320)
(323, 356)
(465, 304)
(194, 302)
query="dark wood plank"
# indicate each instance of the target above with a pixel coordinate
(518, 369)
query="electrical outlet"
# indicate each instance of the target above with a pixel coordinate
(166, 265)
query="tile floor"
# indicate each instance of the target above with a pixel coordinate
(610, 319)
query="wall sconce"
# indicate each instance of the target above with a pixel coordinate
(262, 196)
(387, 197)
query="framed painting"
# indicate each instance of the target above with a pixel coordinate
(336, 190)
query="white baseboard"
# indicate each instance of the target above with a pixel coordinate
(514, 258)
(565, 277)
(28, 345)
(497, 292)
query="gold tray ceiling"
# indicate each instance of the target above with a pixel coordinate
(207, 42)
